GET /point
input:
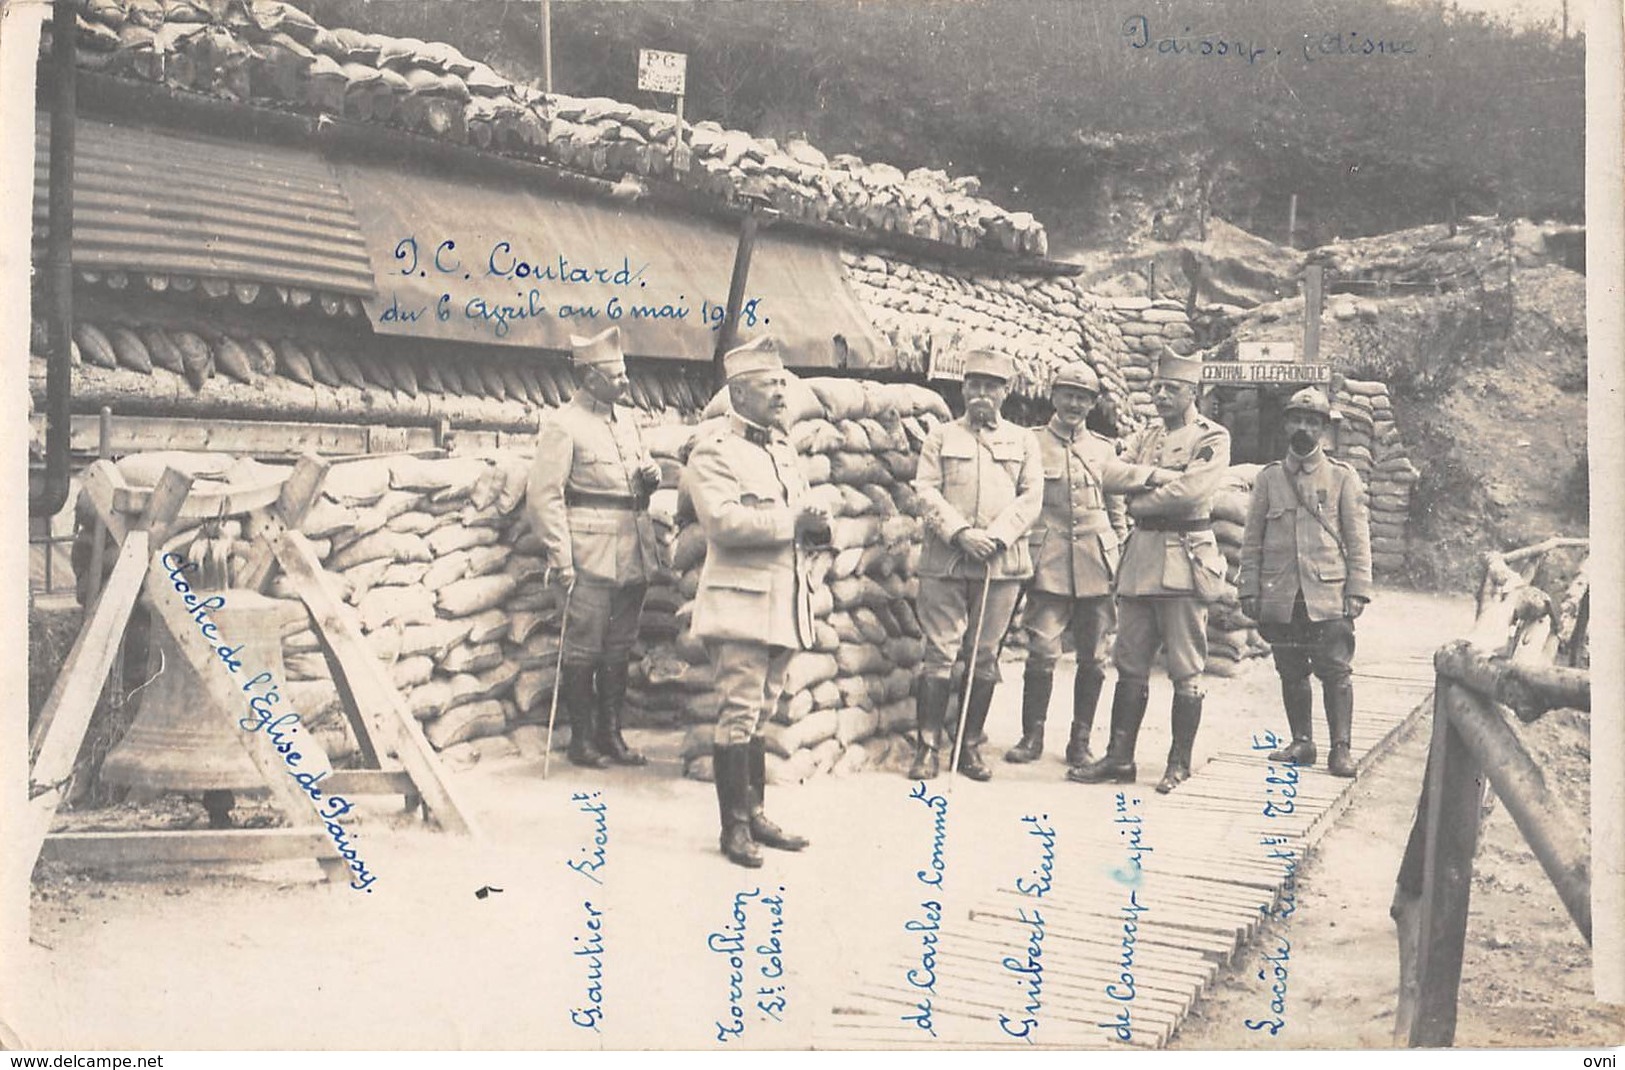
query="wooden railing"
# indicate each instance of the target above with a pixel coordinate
(1518, 660)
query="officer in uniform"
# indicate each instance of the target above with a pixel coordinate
(1171, 569)
(1306, 576)
(754, 605)
(588, 499)
(1075, 550)
(981, 484)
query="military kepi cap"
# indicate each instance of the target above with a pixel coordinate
(1309, 399)
(602, 348)
(1077, 374)
(991, 364)
(1175, 368)
(760, 354)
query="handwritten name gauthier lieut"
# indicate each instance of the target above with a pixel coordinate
(279, 730)
(590, 948)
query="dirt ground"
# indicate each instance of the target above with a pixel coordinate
(267, 957)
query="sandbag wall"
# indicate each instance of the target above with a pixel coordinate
(1232, 637)
(1146, 327)
(847, 703)
(1369, 439)
(1042, 323)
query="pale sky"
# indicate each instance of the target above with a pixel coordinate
(1536, 10)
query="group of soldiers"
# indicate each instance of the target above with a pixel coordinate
(1009, 512)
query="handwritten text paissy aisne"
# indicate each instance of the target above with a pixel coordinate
(1141, 35)
(279, 730)
(503, 265)
(924, 976)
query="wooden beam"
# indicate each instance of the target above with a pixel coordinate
(258, 438)
(1529, 690)
(189, 845)
(364, 686)
(294, 500)
(102, 484)
(1454, 787)
(54, 745)
(222, 689)
(369, 782)
(164, 505)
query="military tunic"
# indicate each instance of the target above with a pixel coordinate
(753, 608)
(975, 477)
(588, 508)
(1156, 582)
(1076, 544)
(1307, 547)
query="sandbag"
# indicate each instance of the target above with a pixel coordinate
(475, 594)
(404, 605)
(357, 482)
(472, 720)
(467, 658)
(808, 669)
(457, 537)
(433, 638)
(810, 730)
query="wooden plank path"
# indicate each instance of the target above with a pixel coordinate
(1206, 887)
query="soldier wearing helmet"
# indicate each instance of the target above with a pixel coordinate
(1075, 549)
(1306, 575)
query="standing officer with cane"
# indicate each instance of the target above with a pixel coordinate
(981, 482)
(1306, 575)
(1075, 551)
(754, 604)
(1171, 570)
(588, 500)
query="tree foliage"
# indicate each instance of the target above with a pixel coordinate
(1053, 106)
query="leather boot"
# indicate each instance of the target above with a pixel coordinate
(1340, 721)
(762, 830)
(970, 752)
(575, 691)
(1035, 691)
(1128, 711)
(1085, 697)
(1187, 718)
(732, 769)
(930, 711)
(1299, 699)
(611, 701)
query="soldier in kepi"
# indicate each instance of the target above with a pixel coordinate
(1306, 576)
(588, 500)
(1171, 569)
(1075, 551)
(754, 604)
(981, 483)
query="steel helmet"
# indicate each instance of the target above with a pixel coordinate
(1309, 399)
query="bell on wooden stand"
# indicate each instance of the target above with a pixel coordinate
(180, 740)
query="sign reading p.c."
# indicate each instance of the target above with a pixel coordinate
(662, 72)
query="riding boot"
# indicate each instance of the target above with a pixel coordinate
(611, 701)
(1085, 697)
(732, 770)
(1128, 711)
(1340, 721)
(575, 689)
(1187, 718)
(930, 711)
(762, 830)
(1299, 699)
(970, 751)
(1035, 691)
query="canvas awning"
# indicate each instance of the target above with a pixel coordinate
(186, 204)
(495, 263)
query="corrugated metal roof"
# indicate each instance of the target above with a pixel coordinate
(520, 255)
(168, 203)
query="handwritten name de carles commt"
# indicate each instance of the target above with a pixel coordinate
(1141, 35)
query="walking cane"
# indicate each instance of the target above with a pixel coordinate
(970, 674)
(558, 673)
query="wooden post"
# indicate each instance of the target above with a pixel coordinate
(1292, 223)
(98, 531)
(1455, 784)
(1312, 301)
(728, 335)
(547, 46)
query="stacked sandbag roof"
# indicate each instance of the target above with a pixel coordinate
(273, 54)
(1041, 322)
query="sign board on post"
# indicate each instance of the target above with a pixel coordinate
(1280, 352)
(1264, 371)
(947, 365)
(662, 72)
